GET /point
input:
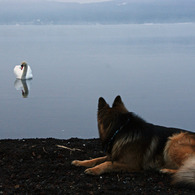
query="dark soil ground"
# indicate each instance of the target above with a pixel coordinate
(39, 166)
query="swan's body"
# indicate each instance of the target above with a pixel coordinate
(23, 71)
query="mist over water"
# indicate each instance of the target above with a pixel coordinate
(150, 65)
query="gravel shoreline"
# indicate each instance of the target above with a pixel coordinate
(43, 166)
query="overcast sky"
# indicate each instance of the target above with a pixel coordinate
(68, 1)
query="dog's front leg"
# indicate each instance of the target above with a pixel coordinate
(89, 163)
(105, 167)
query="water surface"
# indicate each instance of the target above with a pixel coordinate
(150, 65)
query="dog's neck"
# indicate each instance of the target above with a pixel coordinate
(108, 146)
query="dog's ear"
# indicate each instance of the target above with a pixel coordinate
(117, 101)
(102, 103)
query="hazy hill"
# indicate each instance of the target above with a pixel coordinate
(112, 12)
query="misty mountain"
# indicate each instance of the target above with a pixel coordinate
(111, 12)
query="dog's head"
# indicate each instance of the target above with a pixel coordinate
(108, 117)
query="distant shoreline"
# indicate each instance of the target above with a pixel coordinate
(101, 24)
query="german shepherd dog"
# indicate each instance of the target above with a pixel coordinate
(131, 144)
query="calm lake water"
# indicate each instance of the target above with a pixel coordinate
(152, 67)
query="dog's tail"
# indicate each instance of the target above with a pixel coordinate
(186, 173)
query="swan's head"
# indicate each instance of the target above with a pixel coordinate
(23, 64)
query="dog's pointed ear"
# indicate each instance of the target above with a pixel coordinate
(117, 101)
(102, 103)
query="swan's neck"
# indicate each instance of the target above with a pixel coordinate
(24, 72)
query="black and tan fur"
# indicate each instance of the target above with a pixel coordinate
(131, 144)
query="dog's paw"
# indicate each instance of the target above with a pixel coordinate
(89, 171)
(76, 163)
(92, 171)
(163, 170)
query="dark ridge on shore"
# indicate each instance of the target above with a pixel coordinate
(43, 166)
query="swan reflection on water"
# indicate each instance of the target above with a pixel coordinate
(23, 85)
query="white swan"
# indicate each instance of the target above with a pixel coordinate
(23, 71)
